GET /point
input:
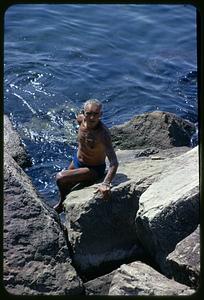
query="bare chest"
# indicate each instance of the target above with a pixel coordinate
(90, 139)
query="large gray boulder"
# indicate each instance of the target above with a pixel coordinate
(36, 257)
(14, 146)
(184, 261)
(155, 129)
(169, 208)
(102, 233)
(139, 279)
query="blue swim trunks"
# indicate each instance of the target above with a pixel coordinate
(100, 169)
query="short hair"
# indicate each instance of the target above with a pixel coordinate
(93, 101)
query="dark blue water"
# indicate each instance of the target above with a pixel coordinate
(134, 58)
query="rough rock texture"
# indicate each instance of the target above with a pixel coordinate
(150, 153)
(99, 285)
(36, 257)
(115, 238)
(157, 129)
(102, 232)
(184, 261)
(139, 279)
(154, 205)
(169, 208)
(13, 145)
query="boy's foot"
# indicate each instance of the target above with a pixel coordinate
(59, 208)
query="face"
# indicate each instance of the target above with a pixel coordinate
(92, 115)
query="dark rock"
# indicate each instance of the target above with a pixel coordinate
(146, 152)
(156, 129)
(184, 261)
(14, 146)
(36, 256)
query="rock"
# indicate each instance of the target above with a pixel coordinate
(184, 261)
(146, 152)
(115, 238)
(13, 145)
(99, 285)
(36, 256)
(169, 208)
(154, 195)
(139, 279)
(129, 156)
(102, 233)
(155, 129)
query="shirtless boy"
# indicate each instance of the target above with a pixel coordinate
(88, 165)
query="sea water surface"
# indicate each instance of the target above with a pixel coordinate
(134, 58)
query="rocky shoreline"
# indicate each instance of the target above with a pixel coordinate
(144, 241)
